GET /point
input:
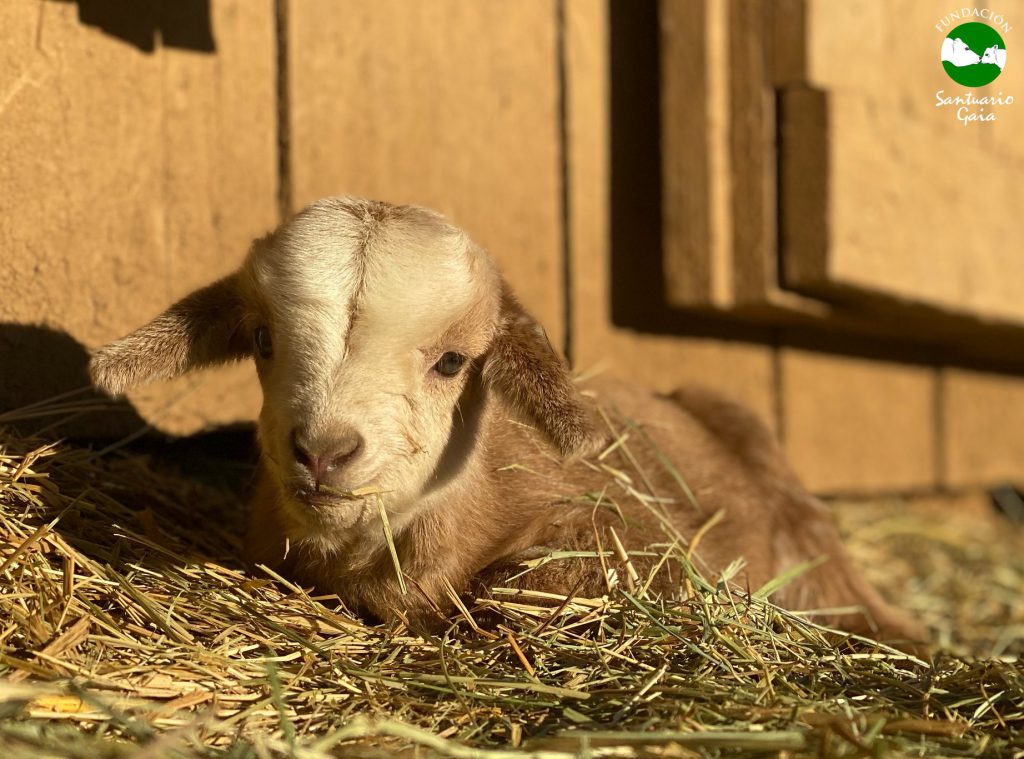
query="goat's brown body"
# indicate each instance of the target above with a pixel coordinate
(387, 328)
(521, 500)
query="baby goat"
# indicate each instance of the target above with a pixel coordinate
(399, 372)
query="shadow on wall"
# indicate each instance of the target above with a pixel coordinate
(175, 23)
(638, 281)
(45, 396)
(45, 392)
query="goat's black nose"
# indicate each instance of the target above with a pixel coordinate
(325, 455)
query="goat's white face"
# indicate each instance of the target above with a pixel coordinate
(378, 332)
(367, 324)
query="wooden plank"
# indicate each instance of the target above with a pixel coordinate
(694, 144)
(447, 104)
(856, 425)
(887, 195)
(82, 127)
(741, 370)
(893, 206)
(127, 178)
(983, 428)
(720, 175)
(752, 142)
(219, 189)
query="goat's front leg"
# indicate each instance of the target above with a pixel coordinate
(424, 601)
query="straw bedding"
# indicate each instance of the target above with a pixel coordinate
(128, 627)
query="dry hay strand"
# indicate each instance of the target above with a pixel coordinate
(128, 627)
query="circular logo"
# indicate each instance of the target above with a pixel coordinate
(973, 54)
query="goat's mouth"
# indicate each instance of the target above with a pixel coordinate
(325, 495)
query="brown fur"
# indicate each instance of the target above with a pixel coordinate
(201, 329)
(518, 477)
(536, 382)
(529, 504)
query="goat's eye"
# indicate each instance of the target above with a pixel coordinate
(449, 364)
(264, 345)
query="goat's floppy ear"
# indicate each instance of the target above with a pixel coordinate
(524, 367)
(201, 329)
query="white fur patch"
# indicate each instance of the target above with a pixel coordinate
(357, 296)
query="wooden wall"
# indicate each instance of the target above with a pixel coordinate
(704, 191)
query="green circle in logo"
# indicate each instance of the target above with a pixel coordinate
(973, 54)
